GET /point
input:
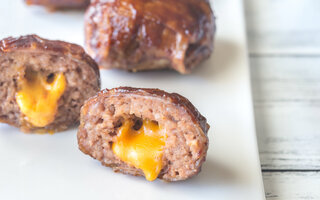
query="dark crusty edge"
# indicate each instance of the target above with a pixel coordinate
(34, 42)
(173, 97)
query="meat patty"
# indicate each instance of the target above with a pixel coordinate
(44, 83)
(144, 132)
(149, 34)
(60, 3)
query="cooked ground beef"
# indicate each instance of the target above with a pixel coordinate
(150, 34)
(186, 129)
(32, 53)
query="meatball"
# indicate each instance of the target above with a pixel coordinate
(144, 132)
(139, 35)
(44, 83)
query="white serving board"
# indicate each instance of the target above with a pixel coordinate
(34, 166)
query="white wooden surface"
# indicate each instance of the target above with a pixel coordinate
(284, 46)
(292, 185)
(283, 26)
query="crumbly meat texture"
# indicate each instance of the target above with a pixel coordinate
(149, 34)
(186, 144)
(60, 3)
(37, 54)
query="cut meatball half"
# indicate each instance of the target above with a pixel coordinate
(144, 132)
(44, 83)
(60, 3)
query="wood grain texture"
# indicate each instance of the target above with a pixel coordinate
(283, 26)
(284, 46)
(286, 94)
(292, 185)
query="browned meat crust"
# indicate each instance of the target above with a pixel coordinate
(46, 56)
(60, 3)
(186, 144)
(149, 34)
(175, 98)
(34, 42)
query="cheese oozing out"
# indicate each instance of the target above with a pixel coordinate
(141, 148)
(38, 96)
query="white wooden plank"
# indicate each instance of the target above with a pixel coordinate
(286, 94)
(292, 185)
(283, 79)
(283, 26)
(287, 109)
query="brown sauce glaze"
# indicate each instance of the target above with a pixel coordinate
(150, 34)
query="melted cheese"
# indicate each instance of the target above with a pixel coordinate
(142, 149)
(38, 97)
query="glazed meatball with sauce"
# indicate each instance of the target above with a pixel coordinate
(137, 35)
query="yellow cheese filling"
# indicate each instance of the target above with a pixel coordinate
(141, 148)
(38, 97)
